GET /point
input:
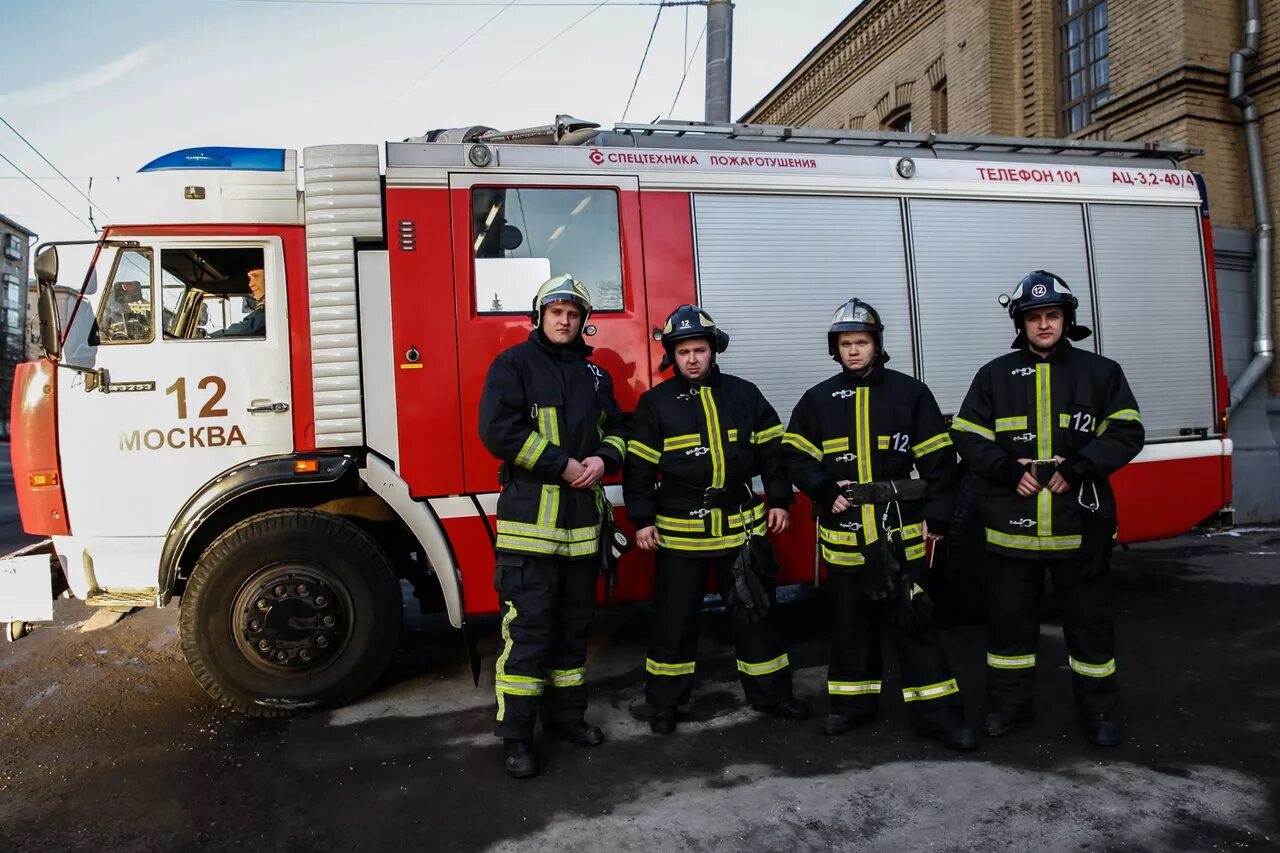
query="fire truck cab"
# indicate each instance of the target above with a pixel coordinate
(265, 402)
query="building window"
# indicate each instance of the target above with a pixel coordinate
(12, 301)
(13, 247)
(1085, 61)
(940, 107)
(899, 121)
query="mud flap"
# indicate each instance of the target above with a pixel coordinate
(27, 585)
(473, 654)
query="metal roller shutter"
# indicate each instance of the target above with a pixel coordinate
(1153, 305)
(773, 269)
(969, 252)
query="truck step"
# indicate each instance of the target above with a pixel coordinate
(122, 598)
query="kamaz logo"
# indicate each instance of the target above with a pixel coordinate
(701, 512)
(851, 525)
(1022, 371)
(1023, 437)
(843, 393)
(1022, 522)
(697, 451)
(846, 457)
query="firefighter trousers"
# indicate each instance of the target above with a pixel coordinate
(854, 676)
(1015, 588)
(679, 584)
(547, 608)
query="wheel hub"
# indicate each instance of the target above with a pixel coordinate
(290, 618)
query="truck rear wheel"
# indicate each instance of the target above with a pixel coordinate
(290, 609)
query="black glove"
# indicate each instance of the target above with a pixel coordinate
(753, 567)
(915, 608)
(883, 573)
(613, 545)
(1097, 538)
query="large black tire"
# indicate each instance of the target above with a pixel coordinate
(960, 582)
(288, 610)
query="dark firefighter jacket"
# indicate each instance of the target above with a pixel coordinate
(868, 429)
(1075, 405)
(543, 405)
(706, 442)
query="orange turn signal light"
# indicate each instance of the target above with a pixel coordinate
(43, 479)
(306, 466)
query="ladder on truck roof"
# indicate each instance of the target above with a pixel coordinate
(895, 139)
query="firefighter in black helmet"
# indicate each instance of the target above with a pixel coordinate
(549, 414)
(853, 441)
(697, 440)
(1043, 428)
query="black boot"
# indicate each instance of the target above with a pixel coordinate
(838, 724)
(578, 732)
(790, 708)
(1004, 719)
(1101, 729)
(520, 762)
(949, 728)
(663, 721)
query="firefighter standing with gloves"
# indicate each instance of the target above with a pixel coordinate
(549, 414)
(1043, 428)
(853, 441)
(706, 434)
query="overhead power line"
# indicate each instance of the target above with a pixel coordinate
(38, 186)
(554, 38)
(456, 48)
(51, 166)
(644, 57)
(687, 66)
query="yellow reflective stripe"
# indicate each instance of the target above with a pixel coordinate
(862, 407)
(681, 442)
(655, 668)
(799, 442)
(554, 534)
(1064, 421)
(1093, 670)
(1011, 661)
(882, 442)
(529, 545)
(835, 445)
(549, 506)
(842, 558)
(1033, 543)
(969, 426)
(618, 443)
(531, 450)
(929, 445)
(912, 531)
(931, 691)
(644, 451)
(569, 677)
(837, 537)
(1044, 445)
(688, 525)
(915, 552)
(765, 436)
(1010, 424)
(712, 543)
(505, 683)
(738, 519)
(714, 440)
(733, 435)
(779, 663)
(1122, 415)
(852, 688)
(548, 424)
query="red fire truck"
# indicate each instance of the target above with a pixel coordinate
(265, 402)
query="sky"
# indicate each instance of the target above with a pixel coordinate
(102, 87)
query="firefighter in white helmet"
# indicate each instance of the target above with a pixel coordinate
(549, 414)
(1043, 428)
(854, 440)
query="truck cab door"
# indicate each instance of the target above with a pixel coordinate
(513, 232)
(196, 381)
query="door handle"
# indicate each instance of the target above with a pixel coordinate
(268, 408)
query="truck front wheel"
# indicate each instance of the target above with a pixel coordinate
(290, 609)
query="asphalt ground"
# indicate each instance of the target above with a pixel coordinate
(108, 744)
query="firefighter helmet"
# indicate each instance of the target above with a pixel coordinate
(856, 316)
(1042, 289)
(690, 321)
(562, 288)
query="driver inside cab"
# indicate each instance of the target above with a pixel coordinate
(254, 323)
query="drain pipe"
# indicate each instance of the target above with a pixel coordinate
(1263, 345)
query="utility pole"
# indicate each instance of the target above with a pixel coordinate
(719, 60)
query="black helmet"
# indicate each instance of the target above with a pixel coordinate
(690, 321)
(856, 316)
(1041, 289)
(562, 288)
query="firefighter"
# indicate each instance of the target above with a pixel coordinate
(853, 441)
(1043, 428)
(549, 414)
(706, 434)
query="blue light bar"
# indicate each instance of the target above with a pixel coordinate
(220, 157)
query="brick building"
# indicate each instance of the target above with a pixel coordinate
(1104, 69)
(15, 243)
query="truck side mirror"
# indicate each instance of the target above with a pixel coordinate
(50, 327)
(47, 266)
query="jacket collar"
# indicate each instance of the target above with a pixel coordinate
(1061, 353)
(712, 378)
(872, 376)
(568, 352)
